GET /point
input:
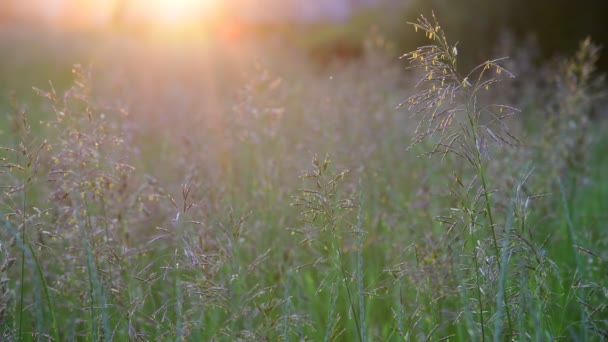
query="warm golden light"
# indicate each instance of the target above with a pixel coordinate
(174, 13)
(159, 15)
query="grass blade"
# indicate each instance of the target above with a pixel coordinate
(363, 332)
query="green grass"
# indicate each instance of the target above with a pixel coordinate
(169, 195)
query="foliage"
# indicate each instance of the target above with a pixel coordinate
(151, 203)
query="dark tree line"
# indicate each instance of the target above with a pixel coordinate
(559, 25)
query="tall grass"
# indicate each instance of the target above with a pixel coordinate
(135, 209)
(450, 104)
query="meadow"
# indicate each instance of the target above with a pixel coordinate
(198, 190)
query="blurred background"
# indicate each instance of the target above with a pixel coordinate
(557, 25)
(40, 40)
(217, 106)
(210, 46)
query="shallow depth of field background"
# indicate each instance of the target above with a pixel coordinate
(253, 171)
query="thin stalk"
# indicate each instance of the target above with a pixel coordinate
(348, 293)
(27, 255)
(332, 312)
(46, 293)
(481, 172)
(481, 321)
(501, 302)
(467, 304)
(92, 297)
(286, 307)
(179, 331)
(400, 311)
(96, 291)
(363, 328)
(579, 266)
(482, 175)
(22, 288)
(298, 308)
(477, 278)
(523, 306)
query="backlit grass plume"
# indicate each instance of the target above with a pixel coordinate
(451, 104)
(447, 101)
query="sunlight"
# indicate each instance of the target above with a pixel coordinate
(175, 13)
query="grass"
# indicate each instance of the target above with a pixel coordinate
(169, 195)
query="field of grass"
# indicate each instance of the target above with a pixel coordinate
(198, 191)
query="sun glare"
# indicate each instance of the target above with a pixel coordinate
(176, 13)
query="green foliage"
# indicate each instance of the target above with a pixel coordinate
(183, 217)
